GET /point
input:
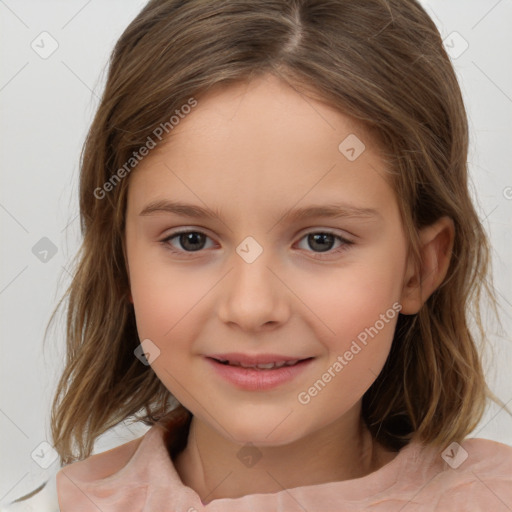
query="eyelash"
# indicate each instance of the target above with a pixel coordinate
(319, 255)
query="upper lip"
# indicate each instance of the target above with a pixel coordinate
(233, 357)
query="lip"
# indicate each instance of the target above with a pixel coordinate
(237, 357)
(252, 379)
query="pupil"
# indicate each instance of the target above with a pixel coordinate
(320, 238)
(190, 238)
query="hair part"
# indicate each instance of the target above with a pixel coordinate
(382, 63)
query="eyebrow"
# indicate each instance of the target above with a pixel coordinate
(330, 210)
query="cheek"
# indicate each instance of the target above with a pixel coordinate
(165, 314)
(355, 318)
(169, 307)
(162, 302)
(347, 301)
(160, 291)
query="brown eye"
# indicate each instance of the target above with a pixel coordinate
(322, 243)
(188, 241)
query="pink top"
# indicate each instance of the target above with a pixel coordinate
(139, 476)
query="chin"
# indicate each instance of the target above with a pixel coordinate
(265, 433)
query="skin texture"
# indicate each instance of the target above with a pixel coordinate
(251, 152)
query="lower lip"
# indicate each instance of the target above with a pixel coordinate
(258, 380)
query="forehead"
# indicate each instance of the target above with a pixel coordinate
(260, 143)
(254, 113)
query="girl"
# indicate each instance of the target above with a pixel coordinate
(312, 351)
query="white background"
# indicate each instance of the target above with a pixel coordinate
(46, 107)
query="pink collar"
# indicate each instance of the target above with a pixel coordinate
(140, 476)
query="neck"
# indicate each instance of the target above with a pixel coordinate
(216, 467)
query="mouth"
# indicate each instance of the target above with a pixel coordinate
(258, 373)
(244, 362)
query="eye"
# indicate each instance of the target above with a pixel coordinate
(324, 241)
(191, 241)
(194, 241)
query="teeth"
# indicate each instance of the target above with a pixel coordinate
(267, 366)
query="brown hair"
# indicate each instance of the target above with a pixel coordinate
(382, 63)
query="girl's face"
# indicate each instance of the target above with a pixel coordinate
(256, 278)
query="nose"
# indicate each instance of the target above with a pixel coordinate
(253, 297)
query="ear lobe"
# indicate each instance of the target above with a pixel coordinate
(436, 244)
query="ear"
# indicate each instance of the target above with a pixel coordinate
(436, 244)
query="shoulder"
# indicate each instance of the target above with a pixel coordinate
(100, 465)
(45, 497)
(486, 456)
(477, 476)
